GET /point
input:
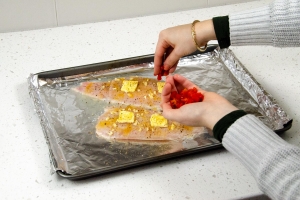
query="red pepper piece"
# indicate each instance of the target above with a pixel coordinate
(159, 77)
(186, 96)
(161, 73)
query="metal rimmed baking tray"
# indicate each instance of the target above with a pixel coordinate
(68, 119)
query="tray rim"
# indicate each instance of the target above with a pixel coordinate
(108, 64)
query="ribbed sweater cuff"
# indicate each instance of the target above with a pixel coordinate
(223, 124)
(250, 140)
(251, 27)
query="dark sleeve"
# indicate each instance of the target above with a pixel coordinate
(224, 123)
(221, 25)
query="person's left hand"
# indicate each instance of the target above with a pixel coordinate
(206, 113)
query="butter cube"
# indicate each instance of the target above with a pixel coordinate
(158, 120)
(172, 127)
(125, 117)
(129, 86)
(160, 86)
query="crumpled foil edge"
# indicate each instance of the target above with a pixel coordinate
(53, 147)
(276, 115)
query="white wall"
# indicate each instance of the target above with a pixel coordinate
(19, 15)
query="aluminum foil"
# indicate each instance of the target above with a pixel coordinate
(68, 118)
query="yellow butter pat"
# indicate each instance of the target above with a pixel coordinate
(125, 117)
(129, 86)
(160, 86)
(158, 120)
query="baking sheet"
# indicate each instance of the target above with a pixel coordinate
(68, 118)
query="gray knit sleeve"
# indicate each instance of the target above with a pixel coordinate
(274, 163)
(277, 24)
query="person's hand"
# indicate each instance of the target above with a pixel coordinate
(176, 42)
(206, 113)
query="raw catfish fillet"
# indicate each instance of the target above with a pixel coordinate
(140, 130)
(98, 90)
(145, 95)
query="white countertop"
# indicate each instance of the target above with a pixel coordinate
(210, 175)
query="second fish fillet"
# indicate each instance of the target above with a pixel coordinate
(139, 124)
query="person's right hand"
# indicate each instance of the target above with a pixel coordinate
(176, 42)
(206, 113)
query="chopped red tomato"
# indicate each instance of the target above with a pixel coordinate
(186, 96)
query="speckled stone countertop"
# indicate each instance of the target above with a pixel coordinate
(210, 175)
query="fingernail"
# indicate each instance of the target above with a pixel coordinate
(166, 67)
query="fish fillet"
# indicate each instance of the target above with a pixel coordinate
(146, 94)
(109, 128)
(98, 90)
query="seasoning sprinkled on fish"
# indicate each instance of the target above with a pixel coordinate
(137, 91)
(140, 124)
